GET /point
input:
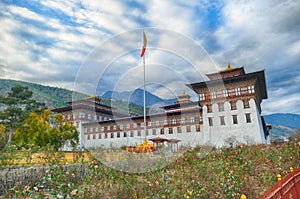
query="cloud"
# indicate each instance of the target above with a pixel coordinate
(263, 35)
(49, 41)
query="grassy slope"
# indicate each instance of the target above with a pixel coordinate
(53, 97)
(200, 173)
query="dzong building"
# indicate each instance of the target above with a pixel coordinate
(227, 113)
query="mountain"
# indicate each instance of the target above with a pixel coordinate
(284, 119)
(137, 97)
(283, 125)
(53, 97)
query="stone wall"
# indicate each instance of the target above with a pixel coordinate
(10, 177)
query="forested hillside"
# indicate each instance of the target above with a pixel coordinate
(53, 97)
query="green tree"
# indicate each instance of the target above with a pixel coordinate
(17, 107)
(38, 130)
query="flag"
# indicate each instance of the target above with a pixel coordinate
(144, 45)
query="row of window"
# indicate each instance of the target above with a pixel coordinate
(232, 106)
(88, 116)
(234, 119)
(161, 131)
(173, 121)
(227, 92)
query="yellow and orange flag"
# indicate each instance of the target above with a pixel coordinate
(144, 45)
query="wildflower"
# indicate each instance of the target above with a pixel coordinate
(35, 188)
(73, 175)
(277, 147)
(74, 192)
(96, 167)
(67, 172)
(26, 188)
(157, 183)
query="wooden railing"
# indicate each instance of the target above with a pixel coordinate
(287, 188)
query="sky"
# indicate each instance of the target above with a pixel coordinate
(93, 46)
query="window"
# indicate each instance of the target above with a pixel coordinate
(131, 133)
(112, 135)
(157, 123)
(213, 95)
(209, 108)
(166, 122)
(171, 130)
(99, 136)
(179, 129)
(192, 119)
(88, 137)
(174, 121)
(210, 121)
(198, 127)
(233, 105)
(121, 126)
(115, 127)
(162, 131)
(118, 134)
(95, 117)
(234, 119)
(125, 134)
(154, 132)
(94, 136)
(108, 128)
(105, 135)
(149, 123)
(248, 118)
(89, 116)
(188, 129)
(201, 96)
(246, 103)
(182, 120)
(237, 91)
(139, 133)
(100, 118)
(69, 117)
(251, 89)
(221, 106)
(225, 93)
(222, 120)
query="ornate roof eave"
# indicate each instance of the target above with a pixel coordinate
(259, 76)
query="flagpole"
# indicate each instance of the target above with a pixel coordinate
(144, 96)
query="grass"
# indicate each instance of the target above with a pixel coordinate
(203, 172)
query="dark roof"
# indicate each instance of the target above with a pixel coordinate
(181, 105)
(86, 107)
(259, 76)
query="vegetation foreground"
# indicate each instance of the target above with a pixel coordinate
(202, 172)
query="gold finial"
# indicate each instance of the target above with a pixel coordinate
(228, 67)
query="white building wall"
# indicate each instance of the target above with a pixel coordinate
(242, 132)
(192, 138)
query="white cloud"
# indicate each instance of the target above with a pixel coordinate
(49, 46)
